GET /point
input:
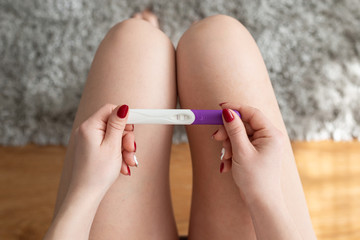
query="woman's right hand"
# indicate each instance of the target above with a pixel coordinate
(253, 152)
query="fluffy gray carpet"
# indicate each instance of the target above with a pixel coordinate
(311, 49)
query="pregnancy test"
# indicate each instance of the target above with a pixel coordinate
(176, 116)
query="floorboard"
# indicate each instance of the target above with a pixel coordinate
(330, 172)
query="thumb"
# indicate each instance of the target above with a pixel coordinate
(236, 131)
(116, 125)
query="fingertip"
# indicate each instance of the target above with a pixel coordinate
(227, 149)
(115, 125)
(225, 165)
(130, 159)
(129, 127)
(229, 115)
(136, 161)
(220, 134)
(124, 168)
(213, 135)
(122, 111)
(128, 142)
(235, 113)
(222, 165)
(222, 154)
(223, 103)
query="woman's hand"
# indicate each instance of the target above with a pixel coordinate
(253, 151)
(104, 147)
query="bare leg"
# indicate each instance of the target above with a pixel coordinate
(134, 65)
(218, 61)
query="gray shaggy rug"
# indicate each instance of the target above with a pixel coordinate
(311, 49)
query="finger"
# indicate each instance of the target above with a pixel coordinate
(130, 159)
(225, 166)
(97, 122)
(116, 125)
(227, 150)
(101, 115)
(236, 131)
(248, 128)
(128, 142)
(129, 127)
(255, 118)
(220, 134)
(125, 170)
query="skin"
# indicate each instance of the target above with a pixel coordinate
(253, 155)
(134, 64)
(104, 149)
(137, 64)
(218, 61)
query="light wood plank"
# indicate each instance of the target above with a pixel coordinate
(330, 173)
(29, 179)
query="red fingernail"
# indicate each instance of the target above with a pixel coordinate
(227, 115)
(122, 111)
(133, 127)
(222, 103)
(129, 171)
(221, 167)
(212, 136)
(135, 146)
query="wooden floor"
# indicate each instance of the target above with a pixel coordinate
(330, 173)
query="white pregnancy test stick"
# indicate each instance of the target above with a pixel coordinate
(175, 116)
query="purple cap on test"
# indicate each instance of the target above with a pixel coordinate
(209, 117)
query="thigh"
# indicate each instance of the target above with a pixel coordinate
(134, 65)
(218, 61)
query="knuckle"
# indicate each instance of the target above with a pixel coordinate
(117, 125)
(109, 106)
(256, 111)
(236, 130)
(82, 131)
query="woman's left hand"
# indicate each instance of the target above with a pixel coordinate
(104, 147)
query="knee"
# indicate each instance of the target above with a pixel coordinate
(218, 27)
(134, 30)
